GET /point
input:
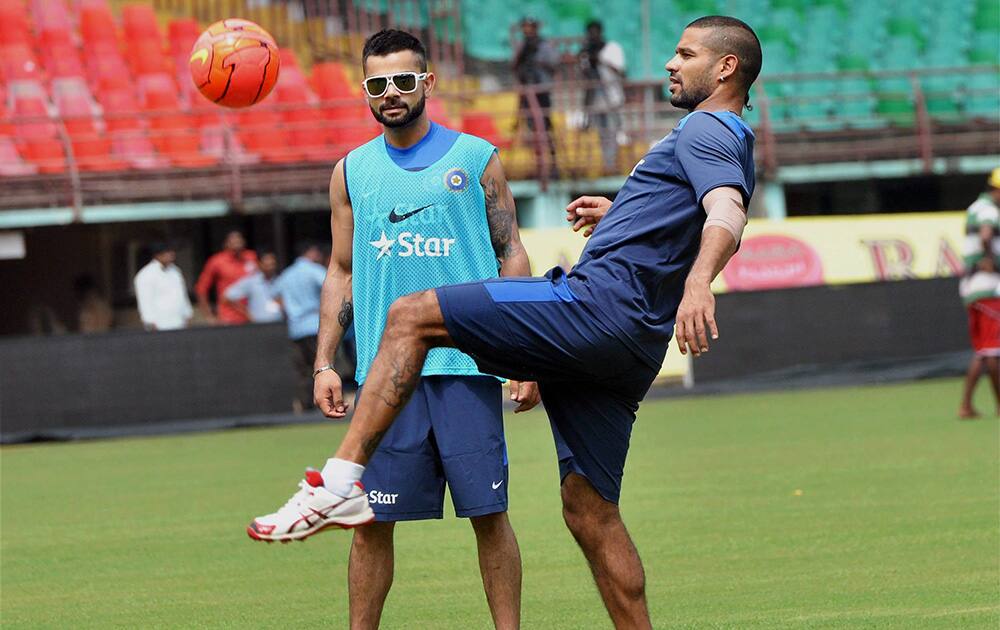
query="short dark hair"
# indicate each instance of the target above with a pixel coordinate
(734, 37)
(594, 24)
(302, 247)
(388, 41)
(158, 247)
(266, 252)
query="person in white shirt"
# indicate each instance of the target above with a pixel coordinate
(602, 65)
(161, 292)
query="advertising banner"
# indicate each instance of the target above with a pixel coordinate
(806, 251)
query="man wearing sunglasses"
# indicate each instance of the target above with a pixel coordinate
(418, 207)
(594, 337)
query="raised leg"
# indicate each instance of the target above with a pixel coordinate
(414, 326)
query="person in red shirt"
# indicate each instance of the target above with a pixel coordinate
(222, 270)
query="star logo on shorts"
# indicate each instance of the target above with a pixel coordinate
(384, 245)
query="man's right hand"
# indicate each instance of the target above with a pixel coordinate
(587, 211)
(328, 393)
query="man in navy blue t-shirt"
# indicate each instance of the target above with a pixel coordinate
(594, 339)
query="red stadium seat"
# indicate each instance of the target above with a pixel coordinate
(288, 58)
(73, 102)
(37, 135)
(354, 134)
(262, 132)
(146, 57)
(139, 21)
(134, 147)
(436, 111)
(175, 135)
(329, 81)
(52, 22)
(482, 124)
(105, 67)
(11, 162)
(31, 110)
(18, 62)
(97, 24)
(92, 152)
(179, 139)
(158, 91)
(214, 142)
(61, 60)
(345, 110)
(45, 153)
(182, 36)
(121, 110)
(14, 24)
(183, 30)
(307, 128)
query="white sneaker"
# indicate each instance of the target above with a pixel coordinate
(312, 509)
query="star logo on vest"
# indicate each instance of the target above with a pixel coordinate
(383, 245)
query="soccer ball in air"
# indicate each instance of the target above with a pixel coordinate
(234, 63)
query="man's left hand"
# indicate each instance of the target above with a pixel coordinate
(525, 393)
(696, 319)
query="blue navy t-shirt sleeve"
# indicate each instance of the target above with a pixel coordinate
(710, 155)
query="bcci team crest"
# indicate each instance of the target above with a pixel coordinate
(456, 180)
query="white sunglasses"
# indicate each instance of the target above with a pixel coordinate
(405, 82)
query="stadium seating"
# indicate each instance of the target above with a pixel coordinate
(120, 82)
(797, 36)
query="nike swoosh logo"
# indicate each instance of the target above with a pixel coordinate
(396, 218)
(201, 53)
(497, 484)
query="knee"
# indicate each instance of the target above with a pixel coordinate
(491, 525)
(403, 317)
(587, 518)
(373, 537)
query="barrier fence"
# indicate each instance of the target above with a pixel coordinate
(203, 152)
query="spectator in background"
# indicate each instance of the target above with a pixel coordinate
(161, 292)
(534, 62)
(603, 67)
(299, 288)
(254, 295)
(980, 290)
(94, 312)
(221, 271)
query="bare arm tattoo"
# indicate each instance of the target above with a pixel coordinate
(346, 314)
(500, 218)
(372, 441)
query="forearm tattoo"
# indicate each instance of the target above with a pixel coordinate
(371, 442)
(346, 314)
(500, 218)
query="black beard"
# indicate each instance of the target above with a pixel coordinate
(690, 98)
(412, 113)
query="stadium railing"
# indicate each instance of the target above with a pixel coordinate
(281, 148)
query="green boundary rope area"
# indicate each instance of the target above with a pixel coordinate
(839, 508)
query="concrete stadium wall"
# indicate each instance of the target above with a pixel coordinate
(829, 325)
(53, 385)
(68, 385)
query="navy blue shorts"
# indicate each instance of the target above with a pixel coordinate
(450, 431)
(591, 383)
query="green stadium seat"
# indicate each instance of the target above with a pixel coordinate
(982, 98)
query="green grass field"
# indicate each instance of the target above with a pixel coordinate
(841, 508)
